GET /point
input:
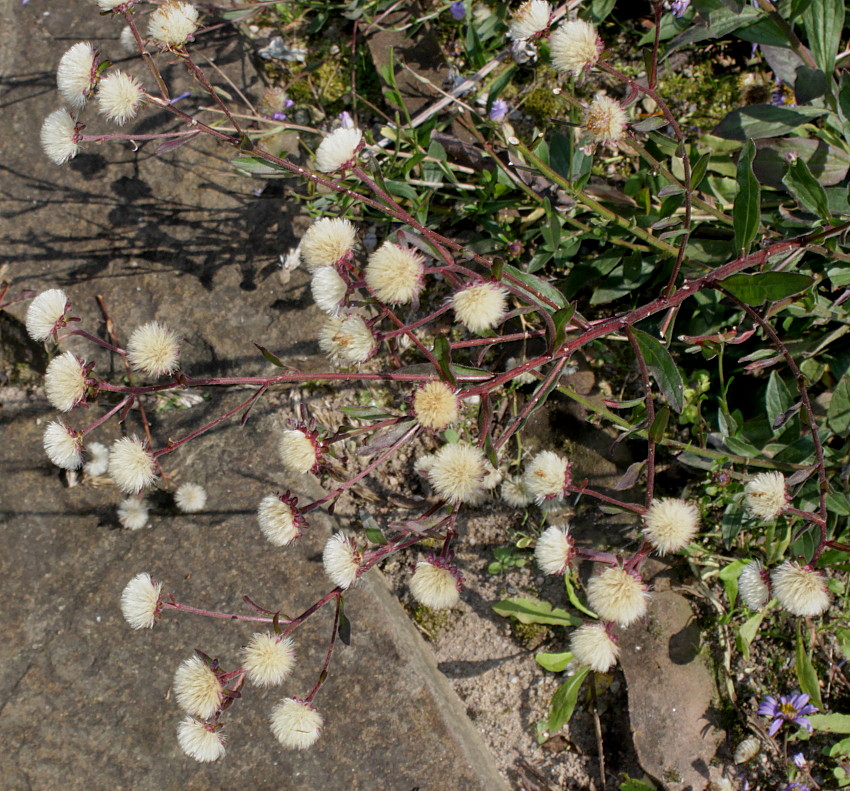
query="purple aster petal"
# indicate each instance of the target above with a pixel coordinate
(803, 723)
(808, 709)
(768, 707)
(798, 701)
(775, 726)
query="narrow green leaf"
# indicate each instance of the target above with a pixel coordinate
(746, 210)
(805, 671)
(443, 355)
(838, 415)
(777, 399)
(527, 610)
(573, 597)
(756, 121)
(747, 633)
(699, 170)
(271, 358)
(729, 577)
(564, 700)
(662, 368)
(659, 425)
(830, 723)
(539, 285)
(556, 663)
(823, 22)
(806, 189)
(766, 286)
(560, 318)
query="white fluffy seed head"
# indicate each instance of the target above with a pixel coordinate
(605, 120)
(173, 23)
(328, 289)
(530, 19)
(347, 340)
(98, 462)
(617, 595)
(63, 446)
(140, 602)
(65, 382)
(670, 524)
(75, 74)
(153, 349)
(203, 742)
(435, 405)
(108, 5)
(128, 41)
(197, 688)
(547, 476)
(296, 724)
(800, 590)
(338, 149)
(435, 584)
(279, 520)
(554, 550)
(268, 660)
(45, 313)
(766, 495)
(341, 561)
(59, 136)
(133, 513)
(394, 273)
(131, 466)
(190, 498)
(575, 47)
(480, 307)
(119, 96)
(515, 493)
(457, 472)
(298, 451)
(327, 241)
(593, 647)
(753, 587)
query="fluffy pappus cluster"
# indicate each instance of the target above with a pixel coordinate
(279, 518)
(575, 47)
(436, 583)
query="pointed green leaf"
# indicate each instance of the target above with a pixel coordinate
(527, 610)
(662, 368)
(806, 189)
(805, 671)
(556, 663)
(823, 22)
(746, 210)
(766, 286)
(564, 700)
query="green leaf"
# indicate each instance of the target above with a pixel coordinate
(344, 626)
(443, 355)
(573, 597)
(560, 318)
(538, 285)
(729, 577)
(838, 415)
(662, 368)
(746, 212)
(748, 631)
(827, 163)
(764, 120)
(631, 784)
(806, 189)
(564, 700)
(805, 671)
(823, 22)
(830, 723)
(766, 286)
(271, 358)
(556, 663)
(599, 9)
(366, 412)
(699, 170)
(659, 425)
(527, 610)
(842, 635)
(777, 398)
(256, 166)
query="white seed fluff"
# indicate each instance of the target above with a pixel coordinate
(59, 136)
(326, 241)
(133, 513)
(457, 472)
(766, 495)
(131, 466)
(435, 405)
(554, 550)
(108, 5)
(480, 307)
(574, 47)
(616, 595)
(340, 561)
(531, 18)
(199, 741)
(277, 521)
(297, 451)
(752, 587)
(346, 340)
(45, 312)
(172, 23)
(328, 289)
(394, 273)
(197, 688)
(515, 493)
(296, 724)
(434, 586)
(140, 601)
(119, 96)
(605, 120)
(546, 476)
(62, 446)
(75, 74)
(670, 524)
(98, 462)
(593, 647)
(338, 149)
(800, 590)
(267, 660)
(190, 498)
(153, 349)
(65, 382)
(128, 41)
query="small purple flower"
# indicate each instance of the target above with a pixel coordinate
(499, 110)
(278, 116)
(798, 786)
(678, 7)
(457, 10)
(789, 708)
(345, 120)
(800, 760)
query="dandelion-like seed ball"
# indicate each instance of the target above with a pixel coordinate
(119, 96)
(515, 493)
(753, 585)
(593, 647)
(800, 590)
(575, 46)
(296, 724)
(298, 451)
(747, 750)
(435, 405)
(766, 495)
(190, 498)
(46, 313)
(76, 74)
(394, 273)
(140, 604)
(327, 241)
(435, 584)
(200, 741)
(98, 462)
(128, 41)
(617, 595)
(268, 660)
(131, 466)
(63, 446)
(59, 137)
(605, 120)
(328, 289)
(347, 340)
(457, 472)
(133, 513)
(341, 561)
(279, 519)
(480, 307)
(670, 524)
(530, 19)
(153, 349)
(172, 23)
(338, 149)
(197, 688)
(547, 476)
(65, 382)
(554, 550)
